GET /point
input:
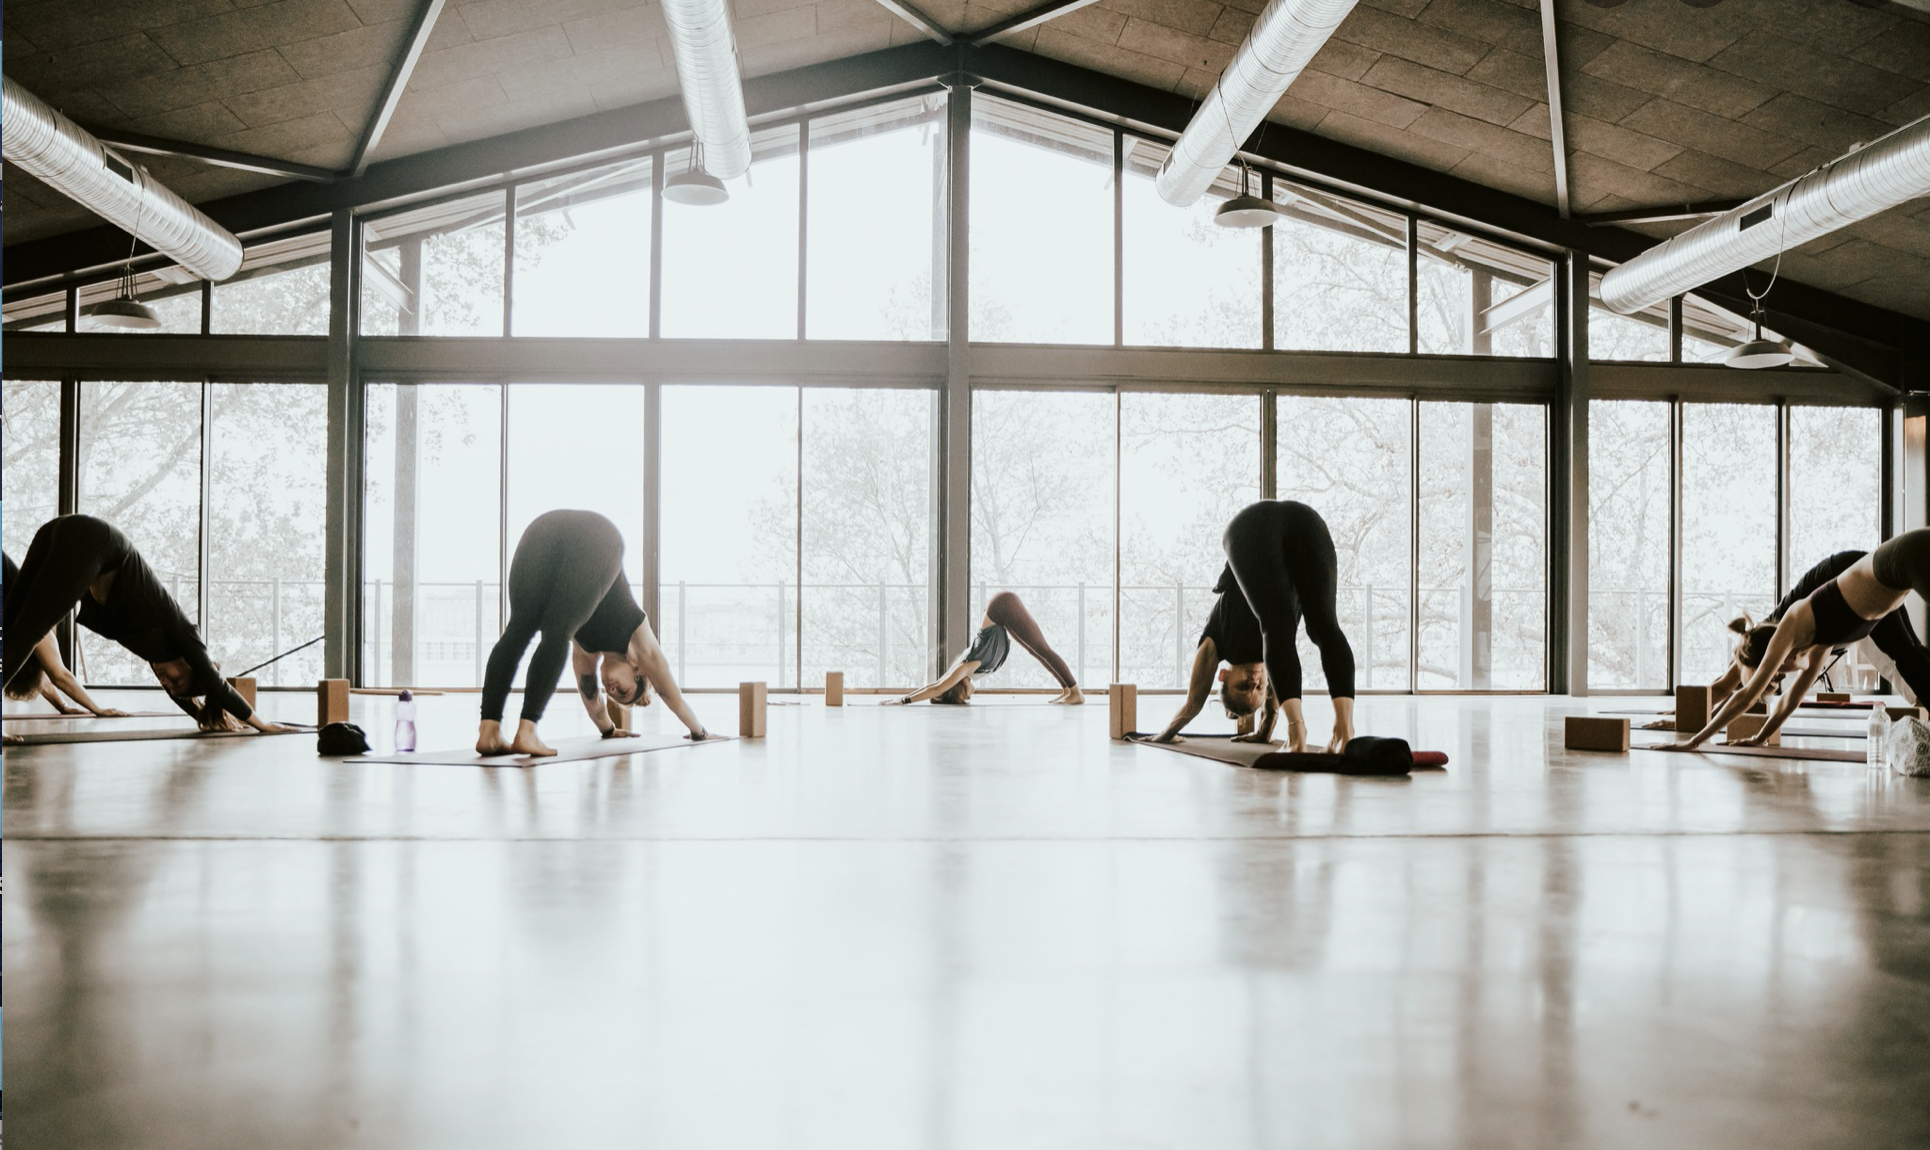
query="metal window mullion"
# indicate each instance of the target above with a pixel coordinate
(202, 541)
(509, 259)
(67, 495)
(1675, 329)
(797, 554)
(207, 307)
(1674, 662)
(1270, 444)
(803, 236)
(1118, 533)
(502, 505)
(1118, 238)
(656, 245)
(1413, 545)
(652, 574)
(1266, 267)
(1782, 498)
(1413, 285)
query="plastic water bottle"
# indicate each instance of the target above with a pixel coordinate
(405, 722)
(1879, 735)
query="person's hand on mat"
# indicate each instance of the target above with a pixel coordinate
(268, 728)
(111, 713)
(1252, 737)
(899, 701)
(1689, 746)
(1745, 741)
(1170, 738)
(219, 723)
(617, 733)
(705, 736)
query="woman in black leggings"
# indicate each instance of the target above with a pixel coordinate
(1005, 619)
(1283, 558)
(81, 561)
(566, 581)
(1231, 636)
(1841, 611)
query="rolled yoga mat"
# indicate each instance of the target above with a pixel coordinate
(567, 751)
(1369, 756)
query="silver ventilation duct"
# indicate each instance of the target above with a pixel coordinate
(52, 148)
(706, 54)
(1283, 39)
(1881, 175)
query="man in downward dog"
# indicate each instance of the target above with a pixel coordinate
(1283, 559)
(566, 581)
(1232, 635)
(80, 561)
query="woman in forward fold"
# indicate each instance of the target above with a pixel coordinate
(77, 560)
(1282, 557)
(1232, 635)
(1005, 619)
(1891, 645)
(1841, 611)
(566, 581)
(57, 680)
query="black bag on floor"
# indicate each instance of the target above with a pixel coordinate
(342, 739)
(1383, 756)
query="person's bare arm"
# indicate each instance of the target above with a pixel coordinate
(583, 665)
(1725, 684)
(1795, 625)
(1206, 661)
(933, 690)
(647, 655)
(61, 680)
(1806, 677)
(1262, 731)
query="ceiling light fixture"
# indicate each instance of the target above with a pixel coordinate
(1246, 210)
(1760, 352)
(124, 311)
(694, 185)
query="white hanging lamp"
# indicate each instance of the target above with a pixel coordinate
(1760, 352)
(124, 312)
(695, 186)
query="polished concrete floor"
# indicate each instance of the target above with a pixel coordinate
(962, 928)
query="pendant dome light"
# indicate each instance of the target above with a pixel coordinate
(1760, 352)
(124, 311)
(694, 185)
(1246, 210)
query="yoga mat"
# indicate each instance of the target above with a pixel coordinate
(1830, 754)
(1262, 757)
(1788, 732)
(15, 717)
(52, 738)
(567, 751)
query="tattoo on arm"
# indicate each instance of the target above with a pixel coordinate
(588, 686)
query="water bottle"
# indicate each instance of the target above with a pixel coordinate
(405, 722)
(1879, 735)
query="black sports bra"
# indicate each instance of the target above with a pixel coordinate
(1835, 623)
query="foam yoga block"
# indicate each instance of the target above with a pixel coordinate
(1691, 707)
(752, 701)
(619, 714)
(1122, 709)
(331, 702)
(834, 688)
(1594, 733)
(1746, 726)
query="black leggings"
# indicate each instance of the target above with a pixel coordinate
(564, 565)
(1007, 611)
(1283, 558)
(1902, 563)
(1894, 637)
(62, 562)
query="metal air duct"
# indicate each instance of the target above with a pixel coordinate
(706, 54)
(1881, 175)
(52, 148)
(1284, 38)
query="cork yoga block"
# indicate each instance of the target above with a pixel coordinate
(1122, 709)
(1594, 733)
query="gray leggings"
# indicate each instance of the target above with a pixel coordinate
(1903, 563)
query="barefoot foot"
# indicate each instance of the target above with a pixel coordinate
(490, 741)
(1070, 697)
(526, 742)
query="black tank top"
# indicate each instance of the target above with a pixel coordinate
(616, 618)
(1835, 622)
(1232, 626)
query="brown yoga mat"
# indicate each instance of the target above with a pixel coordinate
(1830, 754)
(123, 735)
(1264, 757)
(567, 751)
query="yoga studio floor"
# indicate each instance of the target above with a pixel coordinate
(955, 928)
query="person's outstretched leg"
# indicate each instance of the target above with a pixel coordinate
(1894, 638)
(1008, 611)
(1315, 568)
(61, 563)
(538, 553)
(1257, 556)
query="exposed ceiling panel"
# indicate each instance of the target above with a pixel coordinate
(1666, 103)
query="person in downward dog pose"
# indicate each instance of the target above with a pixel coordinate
(1232, 635)
(566, 582)
(1282, 557)
(1006, 619)
(1839, 612)
(1891, 645)
(81, 561)
(56, 679)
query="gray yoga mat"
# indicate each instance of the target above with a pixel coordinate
(567, 751)
(1830, 754)
(16, 717)
(123, 735)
